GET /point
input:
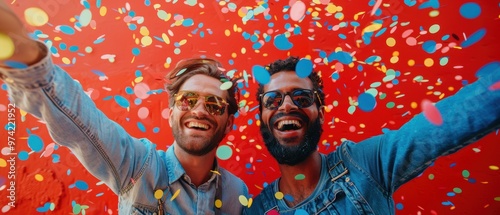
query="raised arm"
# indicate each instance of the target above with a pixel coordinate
(49, 93)
(399, 156)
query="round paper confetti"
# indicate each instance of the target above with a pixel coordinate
(35, 16)
(431, 113)
(7, 45)
(158, 194)
(224, 152)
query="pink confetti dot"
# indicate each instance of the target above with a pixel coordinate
(431, 113)
(141, 90)
(165, 113)
(143, 112)
(297, 11)
(411, 41)
(495, 86)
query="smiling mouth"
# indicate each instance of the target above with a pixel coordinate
(198, 126)
(288, 125)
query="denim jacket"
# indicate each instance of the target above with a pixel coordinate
(360, 178)
(132, 168)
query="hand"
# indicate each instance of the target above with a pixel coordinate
(17, 46)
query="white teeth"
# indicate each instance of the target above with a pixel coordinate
(197, 125)
(289, 122)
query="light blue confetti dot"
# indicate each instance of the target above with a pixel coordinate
(136, 51)
(304, 67)
(450, 194)
(68, 172)
(399, 206)
(23, 155)
(431, 3)
(56, 158)
(248, 165)
(156, 130)
(187, 22)
(335, 76)
(470, 10)
(261, 74)
(35, 143)
(81, 185)
(62, 46)
(100, 40)
(342, 36)
(73, 48)
(410, 3)
(366, 102)
(289, 197)
(123, 102)
(281, 42)
(4, 86)
(344, 57)
(147, 2)
(67, 29)
(141, 127)
(132, 27)
(474, 38)
(129, 90)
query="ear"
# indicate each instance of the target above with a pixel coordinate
(170, 113)
(229, 123)
(321, 114)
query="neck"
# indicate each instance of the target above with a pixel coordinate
(300, 188)
(196, 167)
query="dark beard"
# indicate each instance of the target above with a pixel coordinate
(292, 155)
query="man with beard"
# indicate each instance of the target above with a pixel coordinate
(357, 178)
(145, 179)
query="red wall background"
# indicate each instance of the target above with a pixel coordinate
(406, 51)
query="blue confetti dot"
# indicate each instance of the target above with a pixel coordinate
(429, 46)
(23, 155)
(132, 27)
(123, 102)
(73, 48)
(474, 38)
(67, 29)
(141, 126)
(282, 43)
(156, 130)
(81, 185)
(470, 10)
(35, 143)
(187, 22)
(136, 51)
(399, 206)
(366, 102)
(56, 158)
(261, 74)
(304, 67)
(15, 64)
(344, 57)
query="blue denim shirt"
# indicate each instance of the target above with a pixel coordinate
(131, 167)
(360, 178)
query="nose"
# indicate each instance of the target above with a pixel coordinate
(199, 109)
(287, 105)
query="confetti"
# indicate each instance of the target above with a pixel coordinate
(431, 113)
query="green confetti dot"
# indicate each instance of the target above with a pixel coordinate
(457, 190)
(224, 152)
(300, 177)
(390, 105)
(497, 198)
(465, 173)
(431, 176)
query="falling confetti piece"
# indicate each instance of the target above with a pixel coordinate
(158, 194)
(218, 203)
(366, 102)
(36, 17)
(431, 112)
(299, 177)
(304, 67)
(279, 195)
(224, 152)
(261, 74)
(470, 10)
(243, 200)
(35, 143)
(226, 85)
(7, 47)
(281, 42)
(474, 38)
(494, 167)
(495, 86)
(175, 195)
(297, 11)
(85, 17)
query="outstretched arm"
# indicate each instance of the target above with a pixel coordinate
(49, 93)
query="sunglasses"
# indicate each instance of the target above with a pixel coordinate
(187, 100)
(302, 98)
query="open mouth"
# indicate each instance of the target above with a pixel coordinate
(288, 125)
(198, 126)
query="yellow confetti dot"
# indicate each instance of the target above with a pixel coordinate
(39, 177)
(182, 42)
(159, 194)
(243, 200)
(395, 53)
(411, 62)
(35, 16)
(218, 203)
(7, 45)
(497, 199)
(227, 33)
(429, 62)
(494, 167)
(279, 195)
(391, 42)
(372, 28)
(250, 201)
(175, 195)
(362, 125)
(144, 31)
(138, 79)
(146, 41)
(103, 11)
(434, 28)
(414, 105)
(394, 59)
(434, 13)
(3, 162)
(66, 60)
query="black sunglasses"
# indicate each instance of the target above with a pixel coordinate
(302, 98)
(187, 100)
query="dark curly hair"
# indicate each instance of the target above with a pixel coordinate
(186, 69)
(289, 64)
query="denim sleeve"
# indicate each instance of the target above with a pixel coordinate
(102, 146)
(398, 156)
